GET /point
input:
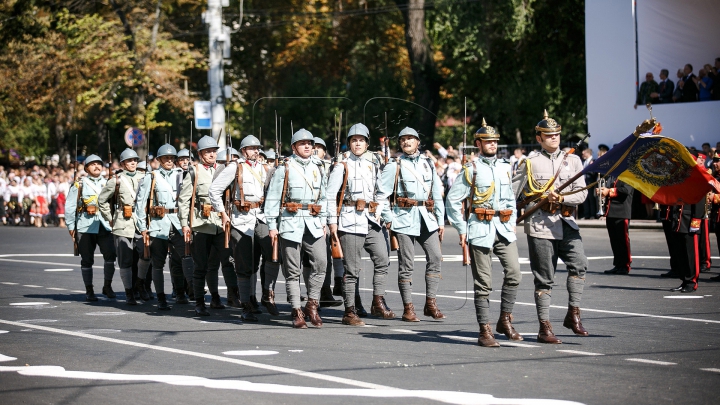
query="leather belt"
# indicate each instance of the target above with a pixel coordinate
(247, 206)
(361, 204)
(565, 210)
(294, 207)
(487, 214)
(403, 202)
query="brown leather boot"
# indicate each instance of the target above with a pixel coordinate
(505, 327)
(351, 318)
(409, 313)
(486, 338)
(431, 309)
(311, 308)
(298, 319)
(216, 302)
(380, 308)
(233, 297)
(546, 335)
(572, 321)
(268, 301)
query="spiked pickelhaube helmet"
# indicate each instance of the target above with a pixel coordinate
(486, 132)
(547, 126)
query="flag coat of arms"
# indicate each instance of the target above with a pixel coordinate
(659, 167)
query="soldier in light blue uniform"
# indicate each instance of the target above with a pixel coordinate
(296, 210)
(417, 214)
(489, 227)
(159, 193)
(93, 228)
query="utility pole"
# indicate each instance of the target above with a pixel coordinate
(219, 47)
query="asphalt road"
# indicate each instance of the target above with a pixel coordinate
(646, 344)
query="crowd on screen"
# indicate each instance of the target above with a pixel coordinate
(687, 88)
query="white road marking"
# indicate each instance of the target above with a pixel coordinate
(464, 292)
(683, 297)
(450, 397)
(460, 338)
(57, 289)
(98, 331)
(22, 304)
(713, 370)
(39, 262)
(58, 269)
(250, 353)
(79, 291)
(9, 283)
(34, 321)
(405, 331)
(32, 285)
(526, 272)
(369, 326)
(106, 313)
(7, 358)
(515, 344)
(581, 353)
(659, 363)
(602, 311)
(295, 351)
(4, 331)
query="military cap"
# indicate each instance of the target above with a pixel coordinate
(319, 141)
(302, 135)
(249, 140)
(716, 157)
(270, 155)
(142, 166)
(407, 131)
(359, 129)
(128, 154)
(167, 150)
(486, 132)
(93, 159)
(183, 153)
(548, 125)
(221, 155)
(207, 142)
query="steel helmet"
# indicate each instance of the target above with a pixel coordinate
(142, 166)
(221, 155)
(249, 140)
(166, 150)
(207, 142)
(407, 131)
(270, 155)
(302, 135)
(182, 153)
(262, 153)
(319, 141)
(359, 129)
(128, 154)
(93, 159)
(487, 133)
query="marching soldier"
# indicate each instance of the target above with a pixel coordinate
(249, 232)
(618, 209)
(141, 264)
(489, 227)
(715, 199)
(158, 198)
(201, 224)
(81, 207)
(296, 210)
(122, 189)
(552, 231)
(355, 222)
(417, 216)
(183, 159)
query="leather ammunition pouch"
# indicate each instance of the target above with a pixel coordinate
(157, 212)
(403, 202)
(565, 210)
(505, 215)
(360, 205)
(295, 207)
(91, 209)
(484, 214)
(246, 206)
(373, 206)
(206, 210)
(127, 211)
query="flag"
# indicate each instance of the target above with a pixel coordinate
(659, 167)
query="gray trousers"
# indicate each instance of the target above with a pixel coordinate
(208, 253)
(353, 246)
(430, 243)
(86, 247)
(544, 254)
(247, 250)
(124, 248)
(481, 265)
(292, 252)
(159, 249)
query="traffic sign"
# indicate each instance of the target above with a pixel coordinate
(203, 115)
(134, 137)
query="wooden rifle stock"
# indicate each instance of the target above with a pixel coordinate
(394, 244)
(275, 250)
(146, 246)
(227, 224)
(335, 248)
(544, 200)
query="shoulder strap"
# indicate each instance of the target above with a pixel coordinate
(152, 189)
(397, 176)
(285, 184)
(239, 181)
(194, 179)
(341, 197)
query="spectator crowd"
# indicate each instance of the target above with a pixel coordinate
(688, 88)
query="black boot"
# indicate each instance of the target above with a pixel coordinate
(190, 290)
(162, 302)
(108, 291)
(200, 309)
(148, 289)
(180, 297)
(247, 313)
(255, 305)
(215, 302)
(129, 297)
(327, 299)
(359, 309)
(90, 293)
(140, 288)
(338, 287)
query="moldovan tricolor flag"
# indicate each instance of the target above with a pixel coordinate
(659, 167)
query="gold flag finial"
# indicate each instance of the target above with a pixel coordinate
(649, 107)
(545, 114)
(484, 124)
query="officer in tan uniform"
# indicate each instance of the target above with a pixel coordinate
(552, 232)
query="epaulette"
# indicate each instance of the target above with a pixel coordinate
(533, 154)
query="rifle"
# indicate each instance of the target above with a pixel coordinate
(275, 257)
(76, 234)
(467, 203)
(228, 196)
(277, 142)
(109, 155)
(335, 247)
(188, 240)
(146, 235)
(394, 244)
(544, 201)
